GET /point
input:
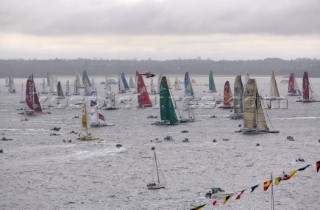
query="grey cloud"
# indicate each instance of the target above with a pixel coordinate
(183, 17)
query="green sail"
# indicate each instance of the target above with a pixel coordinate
(167, 109)
(212, 86)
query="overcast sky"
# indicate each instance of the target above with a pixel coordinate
(160, 29)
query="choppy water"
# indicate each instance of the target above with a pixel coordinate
(39, 171)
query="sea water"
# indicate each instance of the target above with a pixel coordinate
(43, 171)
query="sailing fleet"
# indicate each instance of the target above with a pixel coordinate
(246, 103)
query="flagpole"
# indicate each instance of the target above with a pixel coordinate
(271, 195)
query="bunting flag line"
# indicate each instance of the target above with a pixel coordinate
(266, 185)
(254, 187)
(318, 166)
(239, 195)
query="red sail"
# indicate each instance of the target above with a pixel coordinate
(305, 86)
(291, 83)
(32, 99)
(143, 96)
(227, 95)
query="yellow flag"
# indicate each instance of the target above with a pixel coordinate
(292, 173)
(277, 180)
(225, 199)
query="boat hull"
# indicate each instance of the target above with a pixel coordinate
(255, 131)
(87, 138)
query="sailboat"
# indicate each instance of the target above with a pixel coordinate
(121, 87)
(143, 96)
(152, 88)
(212, 86)
(167, 107)
(156, 184)
(86, 83)
(110, 101)
(124, 80)
(67, 88)
(60, 91)
(96, 117)
(293, 88)
(85, 135)
(227, 97)
(76, 85)
(22, 99)
(12, 87)
(32, 100)
(177, 85)
(44, 87)
(253, 118)
(131, 83)
(308, 96)
(188, 91)
(187, 114)
(274, 93)
(246, 79)
(237, 101)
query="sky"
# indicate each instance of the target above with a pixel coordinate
(160, 29)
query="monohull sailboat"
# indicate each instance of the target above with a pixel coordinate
(86, 83)
(156, 182)
(143, 96)
(96, 118)
(167, 106)
(254, 121)
(85, 135)
(237, 101)
(308, 95)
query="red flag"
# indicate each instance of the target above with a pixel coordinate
(214, 203)
(101, 117)
(238, 196)
(318, 166)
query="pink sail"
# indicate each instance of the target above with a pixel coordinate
(143, 96)
(293, 89)
(32, 99)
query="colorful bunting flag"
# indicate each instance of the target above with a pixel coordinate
(302, 169)
(266, 185)
(292, 173)
(225, 199)
(214, 203)
(238, 196)
(254, 187)
(318, 166)
(277, 180)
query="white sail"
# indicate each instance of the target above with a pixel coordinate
(187, 114)
(22, 99)
(67, 88)
(12, 86)
(121, 85)
(110, 101)
(152, 88)
(44, 87)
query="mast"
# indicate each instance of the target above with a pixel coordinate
(155, 158)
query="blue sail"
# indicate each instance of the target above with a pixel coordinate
(124, 80)
(188, 91)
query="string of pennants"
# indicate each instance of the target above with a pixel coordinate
(266, 184)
